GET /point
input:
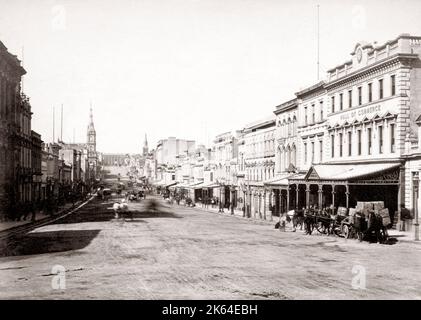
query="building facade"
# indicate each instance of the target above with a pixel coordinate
(259, 159)
(16, 144)
(367, 108)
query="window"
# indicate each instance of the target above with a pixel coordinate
(332, 145)
(380, 129)
(360, 96)
(313, 114)
(392, 137)
(359, 142)
(321, 110)
(381, 89)
(312, 152)
(321, 151)
(340, 144)
(393, 85)
(349, 143)
(305, 116)
(350, 99)
(333, 104)
(305, 152)
(341, 101)
(370, 92)
(369, 140)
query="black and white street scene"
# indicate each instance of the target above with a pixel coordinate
(212, 150)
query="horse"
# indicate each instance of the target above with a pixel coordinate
(298, 219)
(121, 208)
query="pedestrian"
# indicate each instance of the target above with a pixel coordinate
(405, 215)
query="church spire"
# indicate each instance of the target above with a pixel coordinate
(91, 120)
(145, 147)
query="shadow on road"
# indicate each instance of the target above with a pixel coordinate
(48, 242)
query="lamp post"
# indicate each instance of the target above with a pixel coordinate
(416, 181)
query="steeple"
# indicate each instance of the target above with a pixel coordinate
(91, 136)
(145, 147)
(91, 121)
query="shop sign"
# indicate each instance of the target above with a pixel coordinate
(352, 115)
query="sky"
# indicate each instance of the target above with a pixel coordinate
(186, 68)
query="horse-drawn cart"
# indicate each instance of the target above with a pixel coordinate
(369, 221)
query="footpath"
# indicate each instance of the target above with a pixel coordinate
(400, 236)
(10, 228)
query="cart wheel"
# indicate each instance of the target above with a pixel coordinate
(345, 231)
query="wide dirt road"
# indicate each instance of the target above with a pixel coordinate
(184, 253)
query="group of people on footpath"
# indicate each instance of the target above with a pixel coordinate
(28, 210)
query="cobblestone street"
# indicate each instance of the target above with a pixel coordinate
(185, 253)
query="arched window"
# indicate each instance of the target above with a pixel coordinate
(294, 155)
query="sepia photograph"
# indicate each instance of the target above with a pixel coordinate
(213, 150)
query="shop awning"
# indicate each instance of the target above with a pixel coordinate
(279, 180)
(194, 185)
(172, 187)
(182, 185)
(346, 172)
(255, 183)
(158, 183)
(210, 185)
(170, 184)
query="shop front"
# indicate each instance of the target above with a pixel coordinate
(343, 185)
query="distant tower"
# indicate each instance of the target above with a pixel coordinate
(145, 147)
(91, 143)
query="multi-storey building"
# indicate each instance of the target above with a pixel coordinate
(50, 167)
(225, 158)
(259, 161)
(16, 143)
(286, 156)
(167, 150)
(371, 104)
(113, 159)
(36, 158)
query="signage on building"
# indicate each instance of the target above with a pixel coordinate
(352, 115)
(360, 113)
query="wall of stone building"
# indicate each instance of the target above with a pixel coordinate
(411, 166)
(415, 95)
(408, 185)
(403, 85)
(267, 211)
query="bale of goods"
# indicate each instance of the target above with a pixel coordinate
(384, 213)
(361, 205)
(342, 211)
(352, 211)
(378, 205)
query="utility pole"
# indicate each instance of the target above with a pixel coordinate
(61, 125)
(54, 139)
(318, 43)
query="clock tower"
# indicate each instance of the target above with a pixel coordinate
(91, 144)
